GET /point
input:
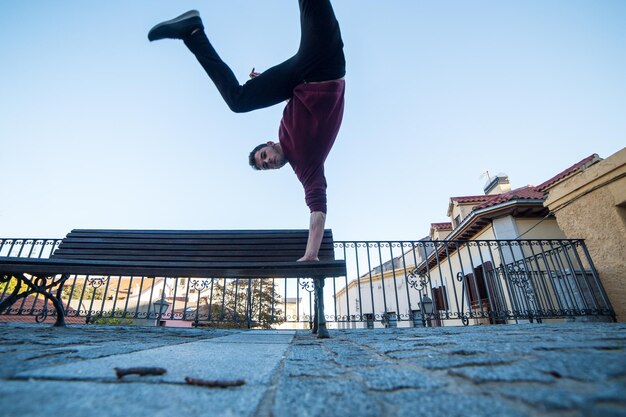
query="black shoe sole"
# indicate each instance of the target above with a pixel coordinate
(168, 29)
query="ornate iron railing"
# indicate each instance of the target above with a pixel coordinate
(389, 283)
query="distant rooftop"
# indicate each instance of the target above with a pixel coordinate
(528, 192)
(441, 226)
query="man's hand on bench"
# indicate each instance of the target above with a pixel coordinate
(316, 233)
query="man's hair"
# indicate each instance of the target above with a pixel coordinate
(251, 157)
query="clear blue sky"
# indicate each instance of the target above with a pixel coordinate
(101, 129)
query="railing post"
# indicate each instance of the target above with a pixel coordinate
(390, 319)
(249, 305)
(598, 281)
(417, 318)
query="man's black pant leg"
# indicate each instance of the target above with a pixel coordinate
(271, 87)
(320, 56)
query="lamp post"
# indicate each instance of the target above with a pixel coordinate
(160, 306)
(426, 305)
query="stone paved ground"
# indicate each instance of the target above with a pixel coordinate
(565, 369)
(516, 370)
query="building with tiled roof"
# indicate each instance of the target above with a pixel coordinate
(463, 259)
(440, 230)
(590, 204)
(502, 213)
(35, 309)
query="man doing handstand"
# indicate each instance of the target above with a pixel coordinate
(312, 81)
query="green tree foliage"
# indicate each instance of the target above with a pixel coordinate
(240, 303)
(7, 286)
(76, 292)
(117, 318)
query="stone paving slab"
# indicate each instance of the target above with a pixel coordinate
(27, 346)
(550, 369)
(251, 356)
(80, 398)
(94, 389)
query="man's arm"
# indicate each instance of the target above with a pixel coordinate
(316, 233)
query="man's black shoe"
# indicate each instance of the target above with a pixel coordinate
(177, 28)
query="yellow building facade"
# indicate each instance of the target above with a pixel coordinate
(591, 205)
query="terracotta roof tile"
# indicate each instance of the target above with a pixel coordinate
(523, 193)
(470, 199)
(441, 226)
(590, 160)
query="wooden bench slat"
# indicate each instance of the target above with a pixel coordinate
(196, 232)
(279, 253)
(250, 258)
(187, 248)
(221, 241)
(242, 258)
(173, 269)
(236, 238)
(192, 247)
(181, 241)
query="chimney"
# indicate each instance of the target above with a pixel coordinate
(498, 185)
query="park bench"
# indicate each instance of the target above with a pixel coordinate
(171, 253)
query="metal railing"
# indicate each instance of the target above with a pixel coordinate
(388, 284)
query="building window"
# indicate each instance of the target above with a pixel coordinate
(440, 298)
(476, 284)
(457, 221)
(484, 293)
(476, 289)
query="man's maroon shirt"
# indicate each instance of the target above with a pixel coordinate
(307, 132)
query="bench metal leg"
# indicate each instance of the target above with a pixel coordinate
(314, 327)
(319, 321)
(39, 285)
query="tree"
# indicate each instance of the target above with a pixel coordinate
(117, 318)
(76, 291)
(242, 303)
(8, 284)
